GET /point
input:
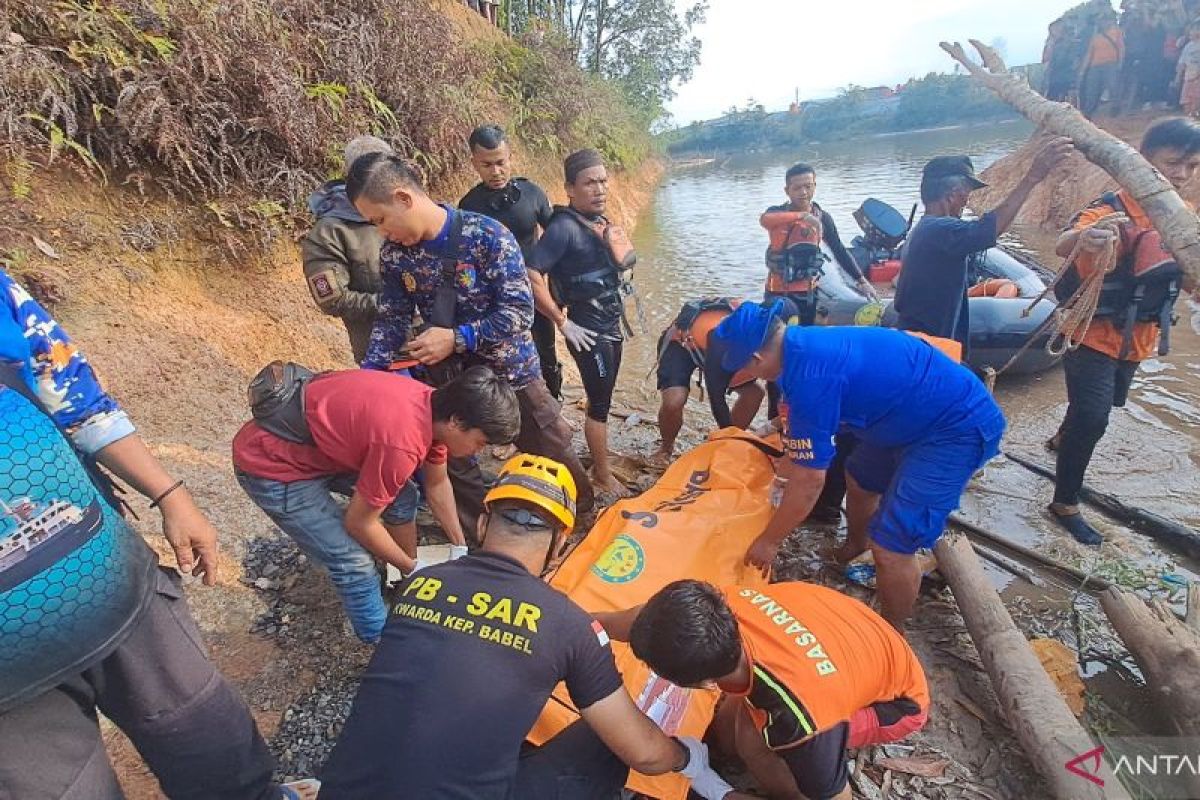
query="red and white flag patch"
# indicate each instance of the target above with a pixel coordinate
(601, 634)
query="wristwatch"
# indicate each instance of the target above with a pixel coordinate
(460, 342)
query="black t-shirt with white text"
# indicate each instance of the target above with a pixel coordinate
(468, 659)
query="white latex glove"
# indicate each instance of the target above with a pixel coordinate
(710, 785)
(457, 551)
(697, 757)
(577, 336)
(418, 565)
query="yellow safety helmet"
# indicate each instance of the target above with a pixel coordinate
(540, 481)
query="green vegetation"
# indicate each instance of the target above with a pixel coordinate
(927, 102)
(643, 47)
(242, 106)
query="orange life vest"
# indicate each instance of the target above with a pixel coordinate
(794, 257)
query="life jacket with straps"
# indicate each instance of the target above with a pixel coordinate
(796, 263)
(1142, 288)
(612, 281)
(697, 319)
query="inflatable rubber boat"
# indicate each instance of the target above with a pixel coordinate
(1003, 286)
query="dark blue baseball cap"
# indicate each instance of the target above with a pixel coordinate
(744, 332)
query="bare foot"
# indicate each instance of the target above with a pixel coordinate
(609, 485)
(847, 552)
(660, 459)
(306, 789)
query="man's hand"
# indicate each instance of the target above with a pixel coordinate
(577, 336)
(761, 555)
(191, 535)
(705, 782)
(432, 346)
(1097, 237)
(1050, 156)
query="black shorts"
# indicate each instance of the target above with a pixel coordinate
(818, 764)
(675, 366)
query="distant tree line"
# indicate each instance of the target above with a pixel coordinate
(929, 102)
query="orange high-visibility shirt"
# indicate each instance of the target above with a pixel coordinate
(818, 656)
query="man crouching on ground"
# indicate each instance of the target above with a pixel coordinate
(469, 658)
(806, 671)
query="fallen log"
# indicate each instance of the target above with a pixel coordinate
(1083, 579)
(1168, 652)
(1172, 218)
(1036, 712)
(1173, 534)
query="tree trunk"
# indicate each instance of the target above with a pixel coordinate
(1168, 652)
(1174, 221)
(1035, 710)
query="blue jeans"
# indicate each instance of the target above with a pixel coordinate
(307, 512)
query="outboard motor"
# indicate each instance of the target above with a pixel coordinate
(884, 230)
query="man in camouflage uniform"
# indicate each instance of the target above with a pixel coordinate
(341, 254)
(492, 310)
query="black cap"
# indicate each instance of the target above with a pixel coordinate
(943, 166)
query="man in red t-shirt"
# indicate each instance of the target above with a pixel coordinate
(372, 431)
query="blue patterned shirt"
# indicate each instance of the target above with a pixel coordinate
(495, 303)
(56, 371)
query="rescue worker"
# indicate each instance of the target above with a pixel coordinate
(89, 621)
(1125, 330)
(582, 262)
(794, 259)
(806, 671)
(520, 205)
(371, 432)
(923, 426)
(468, 660)
(684, 347)
(465, 275)
(931, 292)
(341, 254)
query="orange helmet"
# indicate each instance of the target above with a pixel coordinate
(538, 480)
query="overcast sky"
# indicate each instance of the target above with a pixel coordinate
(768, 48)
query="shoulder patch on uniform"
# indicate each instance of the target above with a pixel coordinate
(324, 286)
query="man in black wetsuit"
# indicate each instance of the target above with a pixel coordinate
(521, 206)
(573, 259)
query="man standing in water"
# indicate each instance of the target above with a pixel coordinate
(581, 263)
(931, 293)
(521, 206)
(1133, 317)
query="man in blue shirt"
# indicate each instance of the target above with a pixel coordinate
(89, 621)
(485, 320)
(931, 292)
(924, 425)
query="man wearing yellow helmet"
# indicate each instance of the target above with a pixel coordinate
(468, 660)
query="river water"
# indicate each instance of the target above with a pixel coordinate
(701, 237)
